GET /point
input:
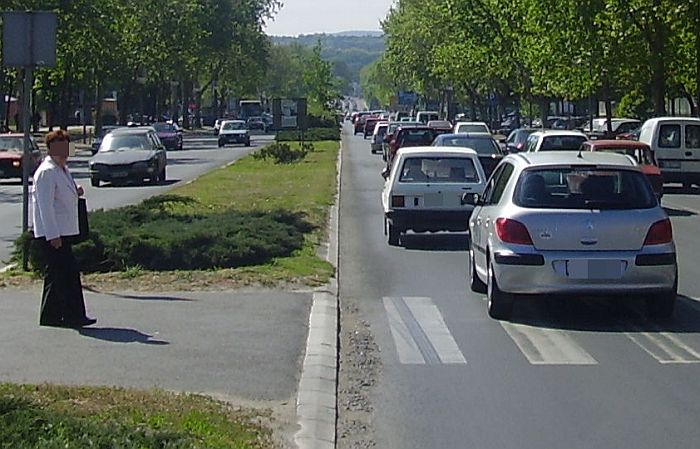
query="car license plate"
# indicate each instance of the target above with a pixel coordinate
(597, 269)
(432, 200)
(120, 174)
(670, 164)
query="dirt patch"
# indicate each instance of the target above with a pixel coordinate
(360, 367)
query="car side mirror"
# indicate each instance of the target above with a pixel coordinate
(473, 199)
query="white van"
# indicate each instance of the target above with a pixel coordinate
(676, 144)
(427, 116)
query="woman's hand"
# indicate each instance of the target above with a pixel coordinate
(56, 243)
(80, 189)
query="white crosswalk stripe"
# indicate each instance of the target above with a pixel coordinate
(542, 346)
(420, 333)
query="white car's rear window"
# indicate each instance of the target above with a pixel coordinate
(438, 170)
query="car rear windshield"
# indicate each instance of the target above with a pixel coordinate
(12, 144)
(234, 125)
(416, 137)
(469, 128)
(643, 156)
(562, 143)
(125, 143)
(481, 146)
(583, 188)
(438, 170)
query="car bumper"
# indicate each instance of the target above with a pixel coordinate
(171, 144)
(430, 220)
(234, 138)
(7, 170)
(122, 173)
(555, 272)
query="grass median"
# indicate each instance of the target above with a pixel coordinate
(47, 417)
(254, 222)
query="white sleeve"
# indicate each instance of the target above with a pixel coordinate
(45, 190)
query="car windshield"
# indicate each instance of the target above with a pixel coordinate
(438, 170)
(583, 188)
(471, 128)
(642, 156)
(11, 144)
(106, 130)
(164, 127)
(234, 125)
(481, 146)
(562, 143)
(125, 143)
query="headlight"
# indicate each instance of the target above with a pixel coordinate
(16, 163)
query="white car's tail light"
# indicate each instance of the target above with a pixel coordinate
(660, 233)
(512, 231)
(398, 201)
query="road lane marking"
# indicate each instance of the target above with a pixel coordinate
(420, 333)
(547, 346)
(665, 347)
(680, 207)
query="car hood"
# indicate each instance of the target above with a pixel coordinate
(11, 155)
(122, 157)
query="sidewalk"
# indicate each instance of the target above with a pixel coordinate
(245, 345)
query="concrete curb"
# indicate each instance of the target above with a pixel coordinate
(317, 396)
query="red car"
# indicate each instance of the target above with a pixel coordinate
(414, 136)
(11, 149)
(640, 152)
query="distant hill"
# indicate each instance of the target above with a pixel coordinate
(349, 51)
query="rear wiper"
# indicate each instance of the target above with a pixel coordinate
(603, 204)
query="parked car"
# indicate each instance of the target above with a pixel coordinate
(233, 131)
(380, 131)
(101, 135)
(571, 223)
(676, 145)
(552, 140)
(11, 153)
(426, 116)
(471, 127)
(423, 192)
(618, 125)
(486, 147)
(640, 152)
(517, 139)
(129, 154)
(169, 134)
(256, 123)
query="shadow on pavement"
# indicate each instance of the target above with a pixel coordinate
(614, 314)
(435, 242)
(187, 161)
(120, 335)
(678, 212)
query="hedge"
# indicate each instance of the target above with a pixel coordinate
(311, 135)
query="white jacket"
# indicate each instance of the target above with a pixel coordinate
(54, 201)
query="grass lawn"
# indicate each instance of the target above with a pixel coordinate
(48, 417)
(306, 188)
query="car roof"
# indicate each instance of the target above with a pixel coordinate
(693, 120)
(234, 121)
(485, 136)
(436, 151)
(132, 130)
(621, 144)
(559, 132)
(543, 158)
(469, 123)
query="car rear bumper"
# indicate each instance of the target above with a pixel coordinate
(430, 220)
(119, 173)
(234, 138)
(552, 272)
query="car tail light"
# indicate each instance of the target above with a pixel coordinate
(512, 231)
(659, 233)
(398, 201)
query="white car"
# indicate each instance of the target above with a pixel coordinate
(675, 142)
(234, 131)
(378, 136)
(424, 192)
(471, 127)
(555, 141)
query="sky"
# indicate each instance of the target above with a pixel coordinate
(327, 16)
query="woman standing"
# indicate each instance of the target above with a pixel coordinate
(55, 216)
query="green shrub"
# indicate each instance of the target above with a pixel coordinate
(311, 135)
(283, 153)
(153, 236)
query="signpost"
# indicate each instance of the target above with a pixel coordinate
(29, 41)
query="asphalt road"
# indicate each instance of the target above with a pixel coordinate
(577, 374)
(200, 155)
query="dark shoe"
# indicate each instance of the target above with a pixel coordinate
(51, 323)
(82, 323)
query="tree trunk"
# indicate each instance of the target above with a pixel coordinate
(186, 92)
(124, 104)
(658, 66)
(99, 93)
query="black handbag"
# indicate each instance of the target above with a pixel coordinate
(83, 224)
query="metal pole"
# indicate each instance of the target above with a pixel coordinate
(26, 119)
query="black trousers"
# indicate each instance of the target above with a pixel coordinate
(62, 299)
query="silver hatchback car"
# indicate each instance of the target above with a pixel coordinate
(568, 223)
